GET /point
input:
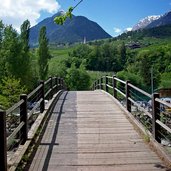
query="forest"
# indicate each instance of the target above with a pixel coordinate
(21, 66)
(116, 58)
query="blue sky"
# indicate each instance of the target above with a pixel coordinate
(114, 16)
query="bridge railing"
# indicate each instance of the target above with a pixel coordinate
(151, 110)
(17, 120)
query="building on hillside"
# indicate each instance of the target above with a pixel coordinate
(133, 45)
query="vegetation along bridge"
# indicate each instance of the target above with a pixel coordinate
(106, 129)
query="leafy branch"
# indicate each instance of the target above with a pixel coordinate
(61, 19)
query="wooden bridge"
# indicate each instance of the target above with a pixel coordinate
(87, 130)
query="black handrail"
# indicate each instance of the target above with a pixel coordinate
(37, 98)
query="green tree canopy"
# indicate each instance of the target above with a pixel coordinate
(25, 60)
(10, 90)
(11, 50)
(77, 78)
(43, 54)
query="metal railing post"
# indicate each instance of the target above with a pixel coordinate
(156, 116)
(128, 102)
(3, 141)
(42, 104)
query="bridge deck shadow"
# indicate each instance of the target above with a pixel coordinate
(87, 131)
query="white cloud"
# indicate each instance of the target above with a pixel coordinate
(15, 12)
(117, 30)
(128, 29)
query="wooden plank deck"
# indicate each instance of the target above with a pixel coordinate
(88, 132)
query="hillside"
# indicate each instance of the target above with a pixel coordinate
(73, 30)
(162, 32)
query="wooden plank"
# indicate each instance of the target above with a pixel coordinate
(130, 167)
(92, 134)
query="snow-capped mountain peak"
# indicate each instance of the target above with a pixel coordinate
(145, 21)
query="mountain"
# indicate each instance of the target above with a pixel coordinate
(161, 32)
(163, 20)
(73, 30)
(143, 23)
(159, 29)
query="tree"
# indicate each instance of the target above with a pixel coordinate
(1, 32)
(25, 29)
(77, 78)
(147, 63)
(10, 90)
(106, 56)
(134, 78)
(15, 56)
(25, 68)
(2, 58)
(122, 54)
(11, 51)
(92, 60)
(43, 54)
(114, 63)
(61, 19)
(166, 82)
(81, 51)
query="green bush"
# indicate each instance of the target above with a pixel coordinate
(165, 82)
(10, 90)
(77, 78)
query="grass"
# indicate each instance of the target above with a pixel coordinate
(56, 67)
(60, 52)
